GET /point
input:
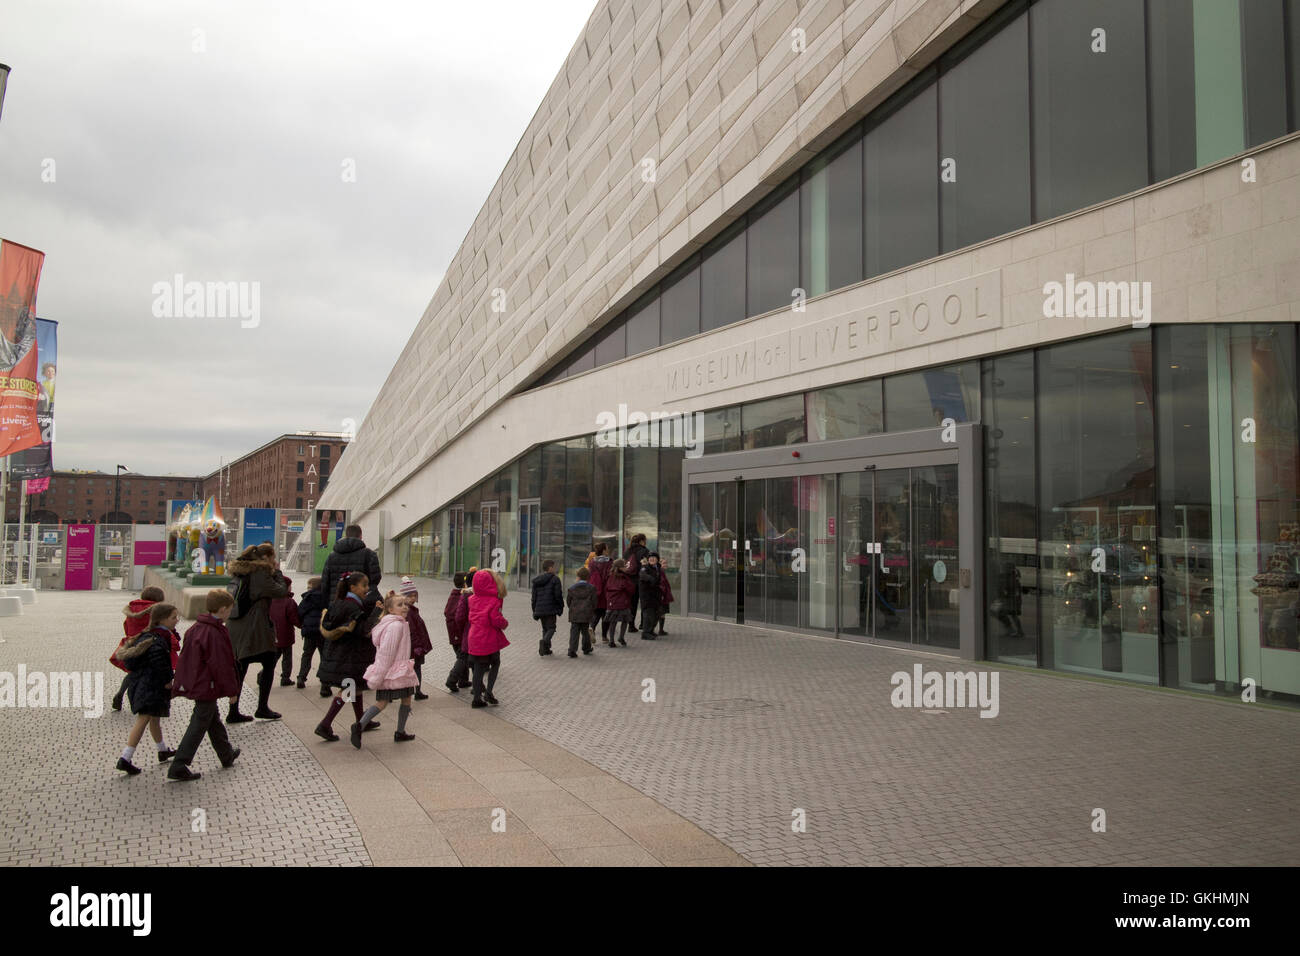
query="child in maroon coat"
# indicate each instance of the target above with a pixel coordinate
(457, 627)
(420, 641)
(665, 599)
(284, 617)
(206, 675)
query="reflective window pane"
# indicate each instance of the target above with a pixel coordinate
(984, 132)
(777, 421)
(830, 210)
(611, 344)
(722, 283)
(722, 430)
(902, 186)
(679, 316)
(1263, 40)
(924, 399)
(643, 327)
(773, 256)
(846, 411)
(1096, 445)
(1080, 90)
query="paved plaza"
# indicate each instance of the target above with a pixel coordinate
(747, 728)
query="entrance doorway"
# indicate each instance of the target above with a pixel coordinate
(487, 541)
(530, 518)
(879, 546)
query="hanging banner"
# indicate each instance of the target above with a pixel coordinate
(38, 461)
(20, 275)
(35, 486)
(79, 558)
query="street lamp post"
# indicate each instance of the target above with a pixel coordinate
(117, 493)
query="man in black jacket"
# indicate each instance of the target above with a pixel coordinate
(350, 554)
(634, 556)
(548, 602)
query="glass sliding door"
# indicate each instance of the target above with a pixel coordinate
(756, 540)
(703, 565)
(935, 502)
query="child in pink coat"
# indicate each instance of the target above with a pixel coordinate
(487, 633)
(392, 675)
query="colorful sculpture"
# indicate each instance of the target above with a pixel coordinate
(182, 535)
(214, 537)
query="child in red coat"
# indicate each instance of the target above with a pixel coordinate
(420, 641)
(135, 620)
(284, 617)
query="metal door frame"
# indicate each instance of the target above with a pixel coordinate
(891, 450)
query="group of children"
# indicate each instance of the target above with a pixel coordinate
(364, 643)
(607, 593)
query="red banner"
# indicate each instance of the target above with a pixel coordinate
(20, 275)
(34, 486)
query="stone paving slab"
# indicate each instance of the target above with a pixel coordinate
(749, 725)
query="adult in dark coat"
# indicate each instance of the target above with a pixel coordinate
(206, 674)
(648, 594)
(347, 652)
(350, 554)
(252, 634)
(635, 556)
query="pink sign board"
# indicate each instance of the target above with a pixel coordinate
(150, 552)
(79, 558)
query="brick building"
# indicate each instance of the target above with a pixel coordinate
(87, 496)
(287, 472)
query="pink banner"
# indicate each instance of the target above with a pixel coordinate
(35, 486)
(79, 558)
(150, 552)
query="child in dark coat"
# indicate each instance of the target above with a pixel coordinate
(582, 612)
(665, 598)
(548, 603)
(149, 658)
(206, 675)
(135, 620)
(648, 592)
(284, 617)
(420, 641)
(310, 609)
(348, 652)
(457, 628)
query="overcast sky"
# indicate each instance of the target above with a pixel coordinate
(210, 140)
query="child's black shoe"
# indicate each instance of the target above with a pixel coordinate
(356, 735)
(491, 700)
(421, 695)
(401, 738)
(326, 734)
(226, 764)
(478, 703)
(127, 767)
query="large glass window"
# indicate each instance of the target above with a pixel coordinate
(722, 280)
(641, 494)
(670, 517)
(924, 399)
(550, 533)
(611, 343)
(902, 185)
(577, 505)
(830, 211)
(773, 254)
(1263, 48)
(679, 305)
(984, 139)
(777, 421)
(1099, 595)
(846, 411)
(606, 516)
(1011, 509)
(1089, 93)
(722, 430)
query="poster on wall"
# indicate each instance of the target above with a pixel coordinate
(79, 560)
(20, 276)
(259, 526)
(329, 527)
(37, 462)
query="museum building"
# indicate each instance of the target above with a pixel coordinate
(964, 326)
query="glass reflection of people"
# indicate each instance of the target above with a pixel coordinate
(1008, 605)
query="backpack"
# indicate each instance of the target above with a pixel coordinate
(132, 655)
(241, 590)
